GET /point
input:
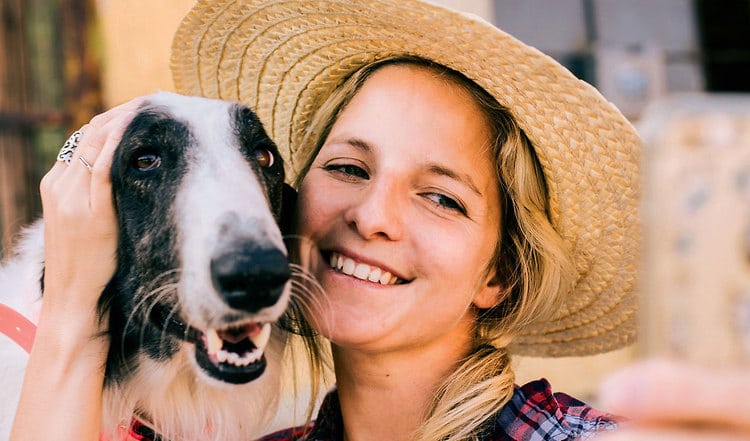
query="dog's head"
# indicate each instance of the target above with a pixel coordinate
(202, 266)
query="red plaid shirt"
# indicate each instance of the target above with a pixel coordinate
(534, 413)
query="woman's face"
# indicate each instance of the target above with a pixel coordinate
(402, 202)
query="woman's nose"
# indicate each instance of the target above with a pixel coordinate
(378, 212)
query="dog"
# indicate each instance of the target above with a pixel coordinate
(202, 274)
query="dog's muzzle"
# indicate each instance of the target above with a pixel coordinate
(248, 279)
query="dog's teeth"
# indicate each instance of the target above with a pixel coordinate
(214, 343)
(261, 340)
(233, 358)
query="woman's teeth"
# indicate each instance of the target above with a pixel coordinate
(361, 271)
(215, 344)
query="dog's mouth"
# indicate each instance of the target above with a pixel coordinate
(234, 354)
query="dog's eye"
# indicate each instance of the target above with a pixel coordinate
(264, 157)
(147, 161)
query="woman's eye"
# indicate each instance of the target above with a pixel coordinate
(147, 161)
(349, 170)
(446, 202)
(263, 157)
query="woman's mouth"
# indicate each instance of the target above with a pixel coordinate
(362, 271)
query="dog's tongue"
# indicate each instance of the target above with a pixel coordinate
(233, 338)
(236, 335)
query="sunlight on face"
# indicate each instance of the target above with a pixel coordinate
(403, 203)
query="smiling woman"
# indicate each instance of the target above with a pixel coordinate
(408, 151)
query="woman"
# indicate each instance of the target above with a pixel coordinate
(487, 196)
(410, 151)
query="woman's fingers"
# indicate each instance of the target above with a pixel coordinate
(80, 223)
(103, 131)
(658, 433)
(101, 186)
(667, 392)
(77, 179)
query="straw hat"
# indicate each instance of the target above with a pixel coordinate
(283, 58)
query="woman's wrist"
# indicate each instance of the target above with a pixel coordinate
(69, 329)
(64, 379)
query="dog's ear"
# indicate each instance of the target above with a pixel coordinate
(288, 209)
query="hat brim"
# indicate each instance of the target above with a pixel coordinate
(283, 58)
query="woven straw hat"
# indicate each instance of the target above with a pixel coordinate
(283, 58)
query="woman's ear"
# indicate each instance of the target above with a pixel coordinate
(490, 294)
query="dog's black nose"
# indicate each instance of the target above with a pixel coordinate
(250, 278)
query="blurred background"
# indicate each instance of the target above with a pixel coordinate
(63, 61)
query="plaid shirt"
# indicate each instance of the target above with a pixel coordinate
(534, 413)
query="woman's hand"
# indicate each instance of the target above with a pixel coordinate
(674, 400)
(80, 226)
(61, 397)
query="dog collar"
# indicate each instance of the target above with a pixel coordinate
(135, 431)
(17, 327)
(141, 432)
(22, 331)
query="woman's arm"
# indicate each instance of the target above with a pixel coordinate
(674, 400)
(61, 397)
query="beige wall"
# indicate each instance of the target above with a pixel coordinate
(138, 36)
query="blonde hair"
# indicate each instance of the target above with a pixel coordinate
(531, 261)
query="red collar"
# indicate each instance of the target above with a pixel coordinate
(20, 329)
(141, 432)
(136, 431)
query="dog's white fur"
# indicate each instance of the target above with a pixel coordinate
(17, 276)
(217, 203)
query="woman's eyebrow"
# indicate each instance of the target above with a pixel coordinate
(463, 178)
(359, 143)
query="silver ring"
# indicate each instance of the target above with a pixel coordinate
(66, 152)
(86, 164)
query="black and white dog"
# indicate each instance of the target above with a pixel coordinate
(202, 275)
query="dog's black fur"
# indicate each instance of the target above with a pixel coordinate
(199, 190)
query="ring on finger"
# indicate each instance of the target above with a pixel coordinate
(86, 164)
(66, 152)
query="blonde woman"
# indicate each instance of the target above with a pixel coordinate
(469, 199)
(421, 175)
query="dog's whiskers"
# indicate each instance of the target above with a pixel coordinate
(306, 295)
(149, 290)
(150, 298)
(162, 340)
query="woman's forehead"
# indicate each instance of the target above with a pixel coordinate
(418, 112)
